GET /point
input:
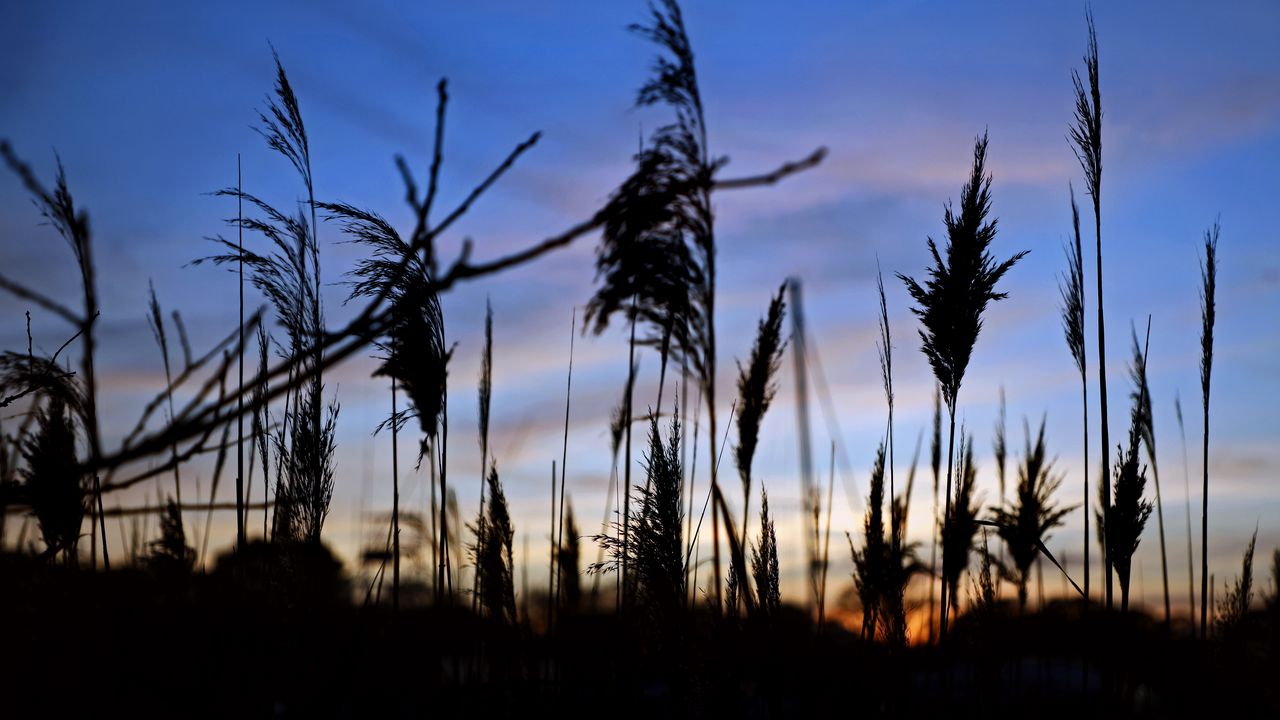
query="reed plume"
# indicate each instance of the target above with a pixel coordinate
(756, 389)
(951, 302)
(1024, 523)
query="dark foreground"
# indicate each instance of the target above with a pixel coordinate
(131, 644)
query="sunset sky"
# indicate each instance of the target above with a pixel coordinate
(148, 104)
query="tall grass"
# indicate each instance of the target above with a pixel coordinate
(1208, 312)
(1024, 523)
(1141, 396)
(1073, 327)
(756, 389)
(1086, 137)
(961, 526)
(935, 464)
(1186, 488)
(1235, 603)
(59, 209)
(655, 549)
(492, 554)
(1123, 521)
(951, 301)
(868, 563)
(764, 562)
(52, 482)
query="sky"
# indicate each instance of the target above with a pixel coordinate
(149, 104)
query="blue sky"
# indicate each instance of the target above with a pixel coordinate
(149, 103)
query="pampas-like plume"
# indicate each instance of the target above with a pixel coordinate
(1024, 523)
(756, 388)
(951, 302)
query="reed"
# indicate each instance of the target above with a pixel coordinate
(492, 554)
(58, 207)
(1186, 489)
(1085, 135)
(52, 483)
(951, 301)
(655, 550)
(1024, 523)
(869, 562)
(1208, 312)
(1123, 521)
(1071, 288)
(764, 562)
(756, 389)
(155, 320)
(1229, 615)
(961, 527)
(1141, 396)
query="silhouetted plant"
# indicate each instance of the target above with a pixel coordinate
(655, 549)
(1231, 612)
(53, 482)
(901, 564)
(1085, 135)
(1141, 397)
(170, 556)
(756, 388)
(1186, 488)
(869, 562)
(764, 562)
(1072, 290)
(951, 302)
(961, 527)
(999, 447)
(59, 209)
(156, 322)
(493, 556)
(289, 277)
(1208, 311)
(1128, 513)
(567, 558)
(659, 246)
(1024, 523)
(1274, 599)
(984, 586)
(935, 464)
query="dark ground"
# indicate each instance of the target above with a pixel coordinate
(139, 643)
